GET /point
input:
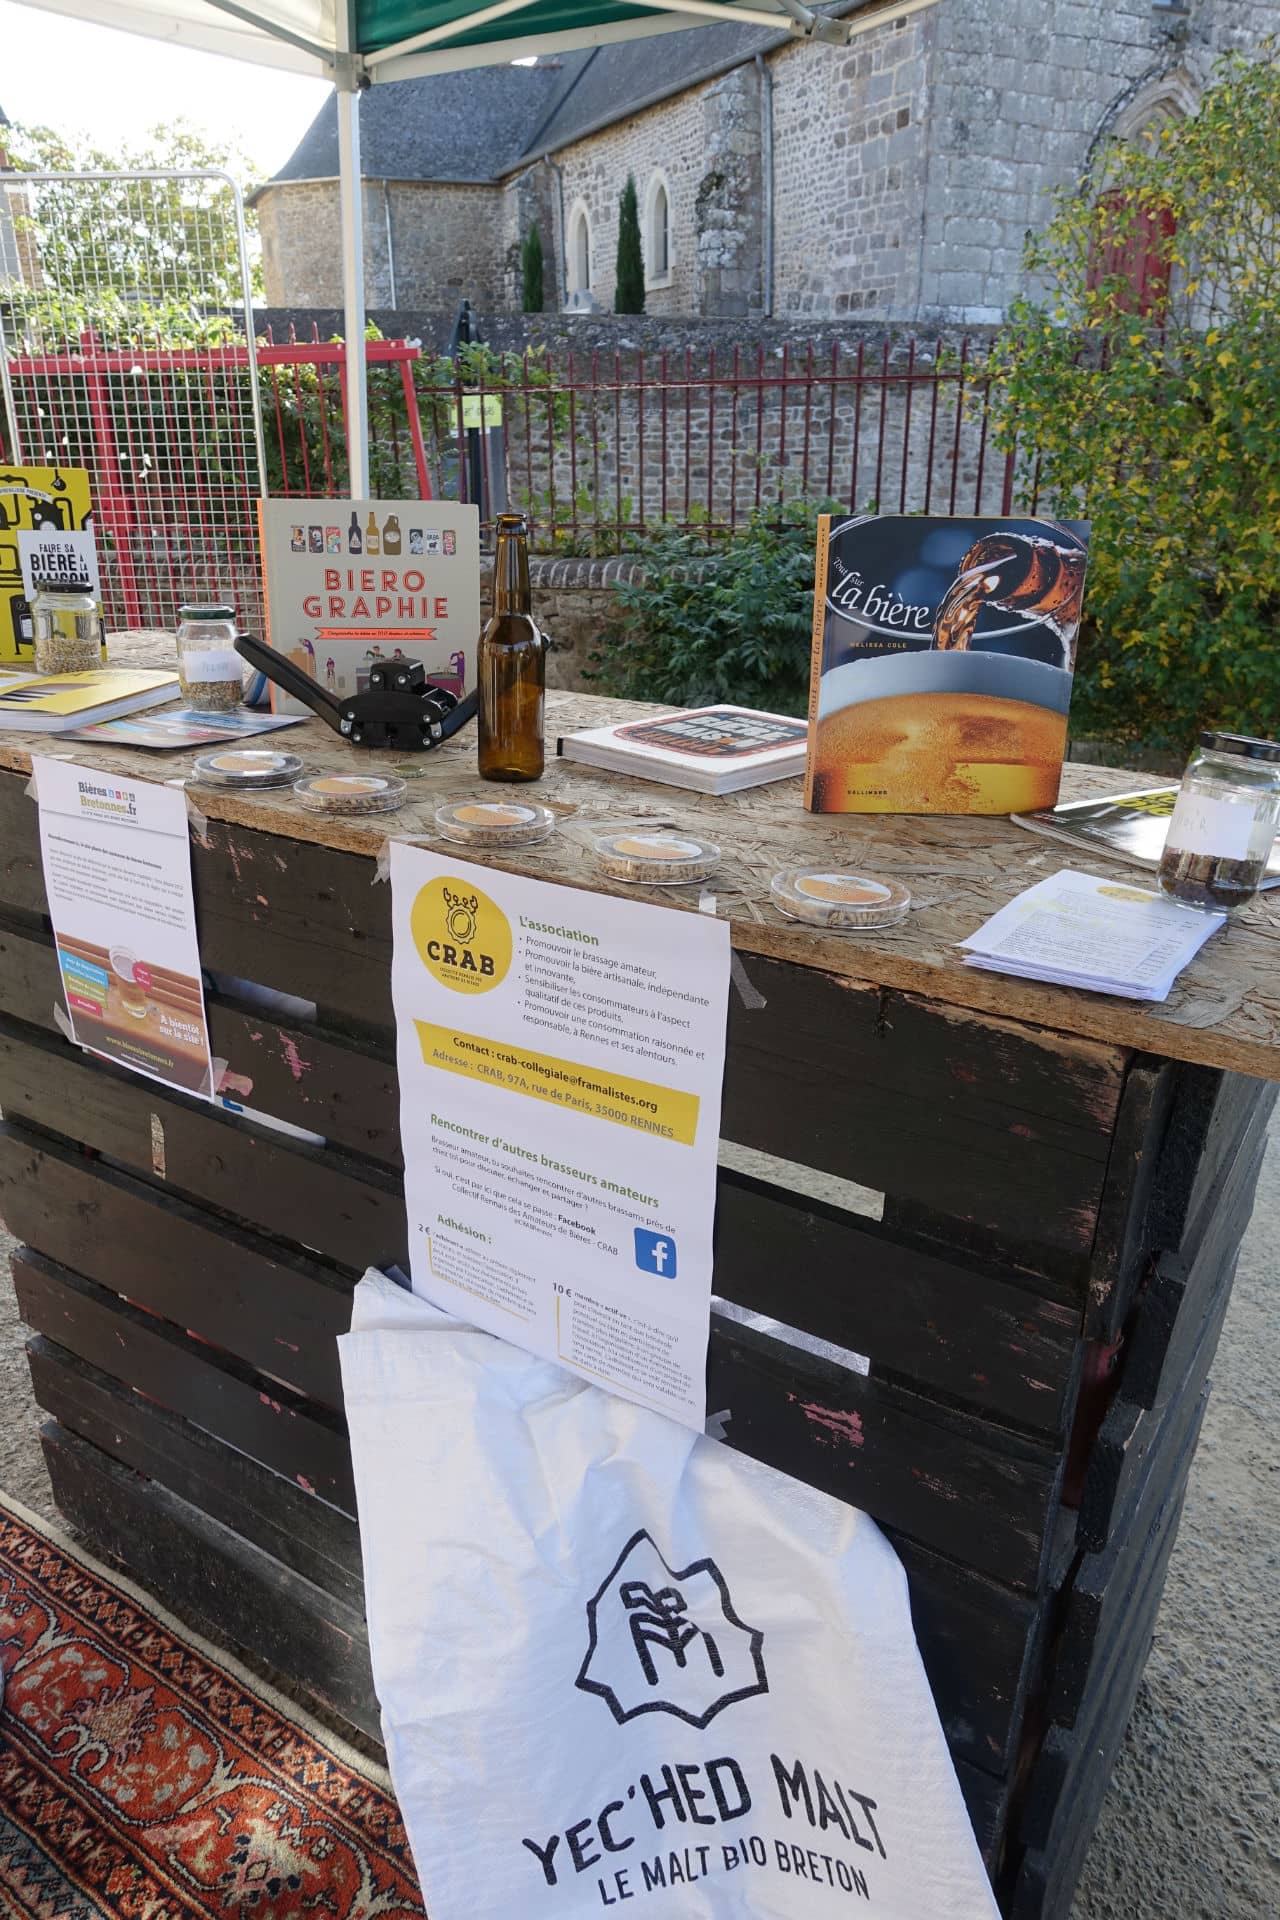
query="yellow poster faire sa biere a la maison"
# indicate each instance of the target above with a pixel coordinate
(41, 509)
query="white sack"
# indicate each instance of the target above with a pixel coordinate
(620, 1663)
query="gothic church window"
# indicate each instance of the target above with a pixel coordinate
(1132, 258)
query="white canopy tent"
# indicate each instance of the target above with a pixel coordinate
(358, 43)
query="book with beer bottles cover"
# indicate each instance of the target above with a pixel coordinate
(350, 583)
(943, 654)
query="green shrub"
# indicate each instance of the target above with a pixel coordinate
(1164, 430)
(725, 618)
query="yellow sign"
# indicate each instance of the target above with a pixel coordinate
(39, 500)
(481, 410)
(463, 939)
(643, 1105)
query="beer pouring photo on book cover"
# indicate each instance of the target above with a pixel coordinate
(943, 653)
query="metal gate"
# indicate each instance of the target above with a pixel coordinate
(127, 323)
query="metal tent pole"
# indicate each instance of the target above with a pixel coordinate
(351, 198)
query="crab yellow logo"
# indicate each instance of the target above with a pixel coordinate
(463, 938)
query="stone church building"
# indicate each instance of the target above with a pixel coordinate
(895, 179)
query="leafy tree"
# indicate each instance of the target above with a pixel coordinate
(153, 259)
(531, 270)
(629, 294)
(1161, 428)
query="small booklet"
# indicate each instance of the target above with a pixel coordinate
(1128, 826)
(57, 702)
(184, 727)
(707, 749)
(1078, 930)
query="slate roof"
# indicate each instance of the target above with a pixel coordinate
(625, 76)
(482, 124)
(449, 126)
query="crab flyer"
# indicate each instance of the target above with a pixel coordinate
(561, 1056)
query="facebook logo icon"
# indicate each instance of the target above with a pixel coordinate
(655, 1253)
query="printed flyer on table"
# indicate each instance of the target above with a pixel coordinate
(117, 872)
(561, 1056)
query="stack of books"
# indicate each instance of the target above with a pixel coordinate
(707, 749)
(57, 702)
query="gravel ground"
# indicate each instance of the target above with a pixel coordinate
(1189, 1827)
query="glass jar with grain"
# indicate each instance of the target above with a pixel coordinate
(66, 627)
(210, 671)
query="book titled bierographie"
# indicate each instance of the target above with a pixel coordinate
(943, 654)
(708, 749)
(353, 583)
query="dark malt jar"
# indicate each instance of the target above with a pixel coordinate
(1222, 835)
(512, 674)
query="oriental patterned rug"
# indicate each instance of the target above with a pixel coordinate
(143, 1776)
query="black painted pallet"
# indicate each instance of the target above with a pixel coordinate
(1097, 1596)
(1046, 1199)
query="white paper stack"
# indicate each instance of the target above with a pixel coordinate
(1078, 930)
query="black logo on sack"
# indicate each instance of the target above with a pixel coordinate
(668, 1641)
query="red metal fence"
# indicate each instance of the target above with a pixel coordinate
(304, 418)
(601, 448)
(166, 435)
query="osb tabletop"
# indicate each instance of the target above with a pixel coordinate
(1223, 1012)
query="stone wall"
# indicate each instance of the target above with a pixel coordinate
(531, 199)
(447, 242)
(849, 164)
(892, 439)
(728, 236)
(1020, 95)
(666, 139)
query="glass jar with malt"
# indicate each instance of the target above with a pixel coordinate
(210, 671)
(66, 628)
(1224, 823)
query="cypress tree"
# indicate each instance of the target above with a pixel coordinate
(629, 297)
(531, 270)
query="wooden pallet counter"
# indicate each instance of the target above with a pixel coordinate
(1051, 1189)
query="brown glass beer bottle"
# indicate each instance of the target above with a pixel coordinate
(512, 673)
